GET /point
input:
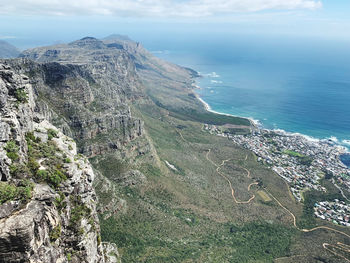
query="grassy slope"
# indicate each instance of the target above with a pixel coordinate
(189, 215)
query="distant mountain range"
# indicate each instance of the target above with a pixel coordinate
(7, 50)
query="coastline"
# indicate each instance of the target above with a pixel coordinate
(258, 125)
(254, 123)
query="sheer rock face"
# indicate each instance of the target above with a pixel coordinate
(86, 88)
(16, 118)
(38, 230)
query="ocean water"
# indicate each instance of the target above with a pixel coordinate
(296, 85)
(345, 158)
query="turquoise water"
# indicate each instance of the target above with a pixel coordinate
(300, 86)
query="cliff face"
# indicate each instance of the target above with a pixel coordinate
(87, 92)
(47, 202)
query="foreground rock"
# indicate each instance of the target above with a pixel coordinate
(47, 202)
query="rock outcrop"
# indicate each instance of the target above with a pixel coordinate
(47, 201)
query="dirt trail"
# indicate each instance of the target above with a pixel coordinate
(229, 181)
(339, 245)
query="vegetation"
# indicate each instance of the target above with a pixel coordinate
(10, 192)
(21, 95)
(7, 192)
(293, 153)
(99, 240)
(303, 159)
(255, 241)
(308, 220)
(51, 133)
(60, 202)
(188, 216)
(55, 233)
(207, 117)
(53, 174)
(110, 166)
(78, 212)
(12, 149)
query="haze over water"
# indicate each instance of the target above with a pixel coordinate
(298, 86)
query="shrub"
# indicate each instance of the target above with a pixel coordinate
(12, 150)
(30, 137)
(55, 233)
(55, 178)
(13, 156)
(42, 175)
(25, 190)
(33, 165)
(52, 178)
(78, 212)
(54, 173)
(11, 192)
(21, 95)
(19, 170)
(51, 133)
(60, 202)
(7, 192)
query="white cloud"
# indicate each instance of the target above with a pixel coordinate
(7, 37)
(153, 8)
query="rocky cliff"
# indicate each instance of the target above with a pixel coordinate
(86, 89)
(47, 202)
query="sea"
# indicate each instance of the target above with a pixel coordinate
(300, 85)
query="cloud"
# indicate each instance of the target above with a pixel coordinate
(7, 37)
(150, 8)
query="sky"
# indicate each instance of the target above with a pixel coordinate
(28, 23)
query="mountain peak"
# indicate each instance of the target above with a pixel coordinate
(89, 38)
(88, 42)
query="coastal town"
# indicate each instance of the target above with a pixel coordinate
(301, 161)
(337, 212)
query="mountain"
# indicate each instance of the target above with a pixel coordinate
(7, 50)
(167, 189)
